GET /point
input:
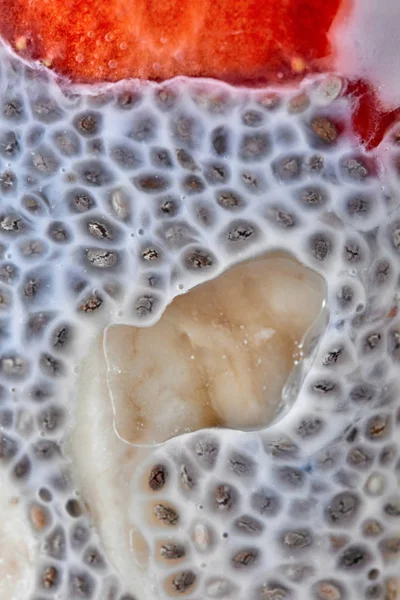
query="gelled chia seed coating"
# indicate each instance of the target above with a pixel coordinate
(113, 201)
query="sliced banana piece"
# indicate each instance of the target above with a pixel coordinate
(220, 354)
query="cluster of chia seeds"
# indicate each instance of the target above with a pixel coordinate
(115, 200)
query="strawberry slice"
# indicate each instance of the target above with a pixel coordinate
(239, 41)
(369, 118)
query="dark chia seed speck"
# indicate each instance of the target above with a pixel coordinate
(166, 514)
(158, 477)
(245, 559)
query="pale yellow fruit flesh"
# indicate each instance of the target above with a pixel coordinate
(219, 356)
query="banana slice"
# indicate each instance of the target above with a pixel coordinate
(219, 356)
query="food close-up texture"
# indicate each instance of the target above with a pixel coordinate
(199, 300)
